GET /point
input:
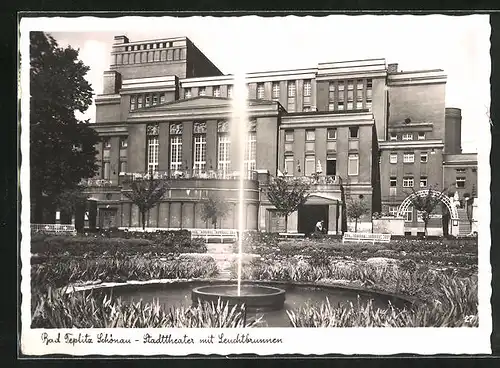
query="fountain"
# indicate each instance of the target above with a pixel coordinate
(255, 297)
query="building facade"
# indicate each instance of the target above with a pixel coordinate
(355, 129)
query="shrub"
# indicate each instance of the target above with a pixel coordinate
(56, 309)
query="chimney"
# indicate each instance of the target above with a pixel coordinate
(392, 68)
(121, 40)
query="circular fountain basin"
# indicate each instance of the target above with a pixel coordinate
(254, 297)
(175, 294)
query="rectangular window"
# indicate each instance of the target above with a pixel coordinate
(340, 106)
(147, 101)
(163, 98)
(155, 99)
(331, 133)
(307, 88)
(359, 105)
(350, 96)
(123, 166)
(421, 136)
(202, 91)
(200, 153)
(408, 158)
(216, 91)
(353, 165)
(107, 143)
(354, 132)
(310, 167)
(291, 89)
(250, 162)
(408, 182)
(331, 166)
(289, 166)
(310, 135)
(393, 182)
(409, 214)
(306, 109)
(393, 158)
(394, 137)
(423, 157)
(187, 93)
(359, 85)
(176, 152)
(123, 142)
(288, 140)
(153, 146)
(331, 93)
(133, 102)
(230, 91)
(423, 181)
(349, 106)
(407, 136)
(393, 210)
(331, 106)
(369, 84)
(106, 170)
(460, 183)
(139, 102)
(460, 170)
(340, 86)
(276, 91)
(350, 85)
(224, 154)
(260, 91)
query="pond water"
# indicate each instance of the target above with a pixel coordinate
(175, 295)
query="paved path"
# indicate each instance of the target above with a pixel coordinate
(224, 257)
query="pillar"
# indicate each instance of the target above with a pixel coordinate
(292, 222)
(332, 219)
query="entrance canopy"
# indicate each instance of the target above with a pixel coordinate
(320, 198)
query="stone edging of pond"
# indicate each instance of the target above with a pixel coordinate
(333, 284)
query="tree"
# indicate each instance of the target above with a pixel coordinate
(214, 208)
(356, 208)
(426, 204)
(62, 148)
(146, 193)
(72, 201)
(287, 195)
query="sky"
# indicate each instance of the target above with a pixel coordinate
(458, 45)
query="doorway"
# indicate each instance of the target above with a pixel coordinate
(107, 218)
(309, 215)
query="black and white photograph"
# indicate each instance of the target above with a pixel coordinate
(245, 184)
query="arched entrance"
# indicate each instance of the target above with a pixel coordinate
(435, 194)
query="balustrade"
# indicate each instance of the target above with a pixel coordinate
(165, 175)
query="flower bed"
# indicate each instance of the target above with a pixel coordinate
(56, 273)
(443, 252)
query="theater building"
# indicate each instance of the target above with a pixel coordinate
(353, 129)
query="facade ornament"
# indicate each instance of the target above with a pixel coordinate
(175, 128)
(222, 126)
(152, 129)
(200, 127)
